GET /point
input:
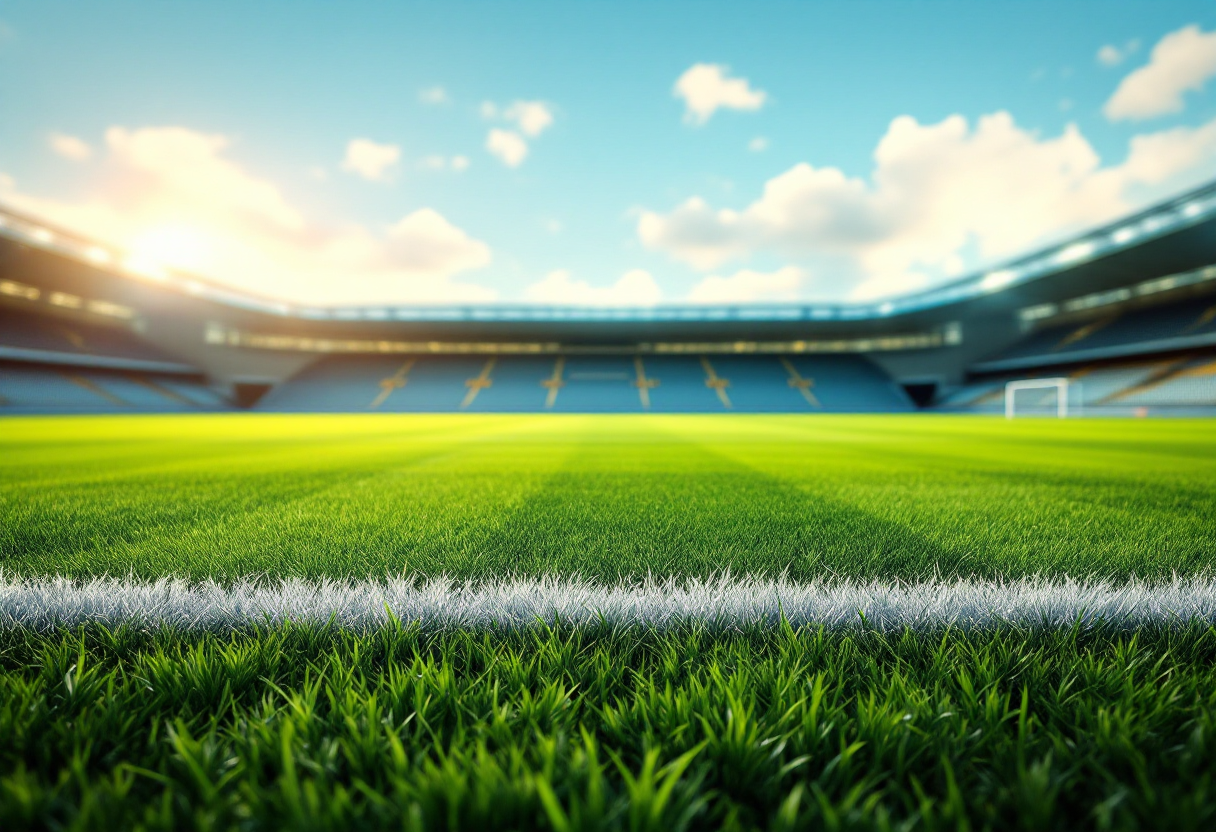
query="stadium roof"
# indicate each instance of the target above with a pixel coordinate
(1167, 219)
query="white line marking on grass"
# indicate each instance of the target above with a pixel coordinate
(44, 603)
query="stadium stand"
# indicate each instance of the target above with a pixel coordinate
(1125, 356)
(33, 388)
(591, 383)
(1185, 384)
(1126, 311)
(1173, 385)
(1174, 325)
(24, 335)
(55, 364)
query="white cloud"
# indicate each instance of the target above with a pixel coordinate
(758, 144)
(171, 195)
(533, 117)
(433, 95)
(508, 146)
(634, 288)
(941, 198)
(748, 285)
(424, 242)
(1111, 55)
(373, 161)
(706, 88)
(888, 285)
(1181, 62)
(189, 165)
(70, 147)
(1164, 155)
(436, 161)
(318, 173)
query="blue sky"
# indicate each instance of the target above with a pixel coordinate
(371, 152)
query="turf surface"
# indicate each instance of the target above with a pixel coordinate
(606, 497)
(305, 728)
(597, 726)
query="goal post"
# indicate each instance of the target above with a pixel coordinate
(1060, 385)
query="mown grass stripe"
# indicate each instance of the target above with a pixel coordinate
(47, 603)
(606, 497)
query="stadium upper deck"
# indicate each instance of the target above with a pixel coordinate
(145, 319)
(1101, 258)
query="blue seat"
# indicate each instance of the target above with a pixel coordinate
(582, 383)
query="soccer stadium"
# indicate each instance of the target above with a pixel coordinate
(1125, 314)
(935, 557)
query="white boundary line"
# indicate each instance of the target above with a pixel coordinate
(45, 603)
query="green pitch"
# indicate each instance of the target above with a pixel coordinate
(597, 727)
(605, 497)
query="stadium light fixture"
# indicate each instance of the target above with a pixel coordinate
(1075, 252)
(1156, 223)
(997, 280)
(98, 256)
(66, 300)
(1194, 209)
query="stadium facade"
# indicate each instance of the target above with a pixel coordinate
(1127, 312)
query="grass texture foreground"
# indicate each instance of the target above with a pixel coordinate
(599, 723)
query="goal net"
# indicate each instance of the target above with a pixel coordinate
(1037, 397)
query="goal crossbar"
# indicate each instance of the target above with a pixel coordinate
(1060, 385)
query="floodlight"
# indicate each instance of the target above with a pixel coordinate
(98, 255)
(1075, 252)
(997, 280)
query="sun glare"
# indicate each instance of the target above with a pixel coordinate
(170, 246)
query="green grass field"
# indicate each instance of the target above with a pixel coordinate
(605, 497)
(602, 727)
